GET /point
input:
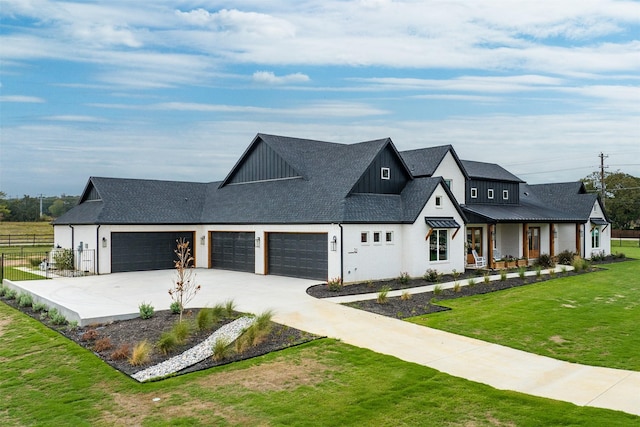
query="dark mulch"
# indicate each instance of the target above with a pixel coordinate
(426, 302)
(130, 332)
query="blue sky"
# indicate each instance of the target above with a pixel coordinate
(176, 90)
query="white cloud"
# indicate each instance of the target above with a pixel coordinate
(269, 77)
(74, 118)
(21, 98)
(236, 21)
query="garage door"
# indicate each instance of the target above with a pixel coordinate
(233, 251)
(298, 255)
(145, 251)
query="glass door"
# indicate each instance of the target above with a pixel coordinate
(534, 242)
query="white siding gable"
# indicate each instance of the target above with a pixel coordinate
(449, 170)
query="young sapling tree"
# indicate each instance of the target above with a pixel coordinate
(185, 287)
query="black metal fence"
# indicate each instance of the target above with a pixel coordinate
(26, 239)
(47, 265)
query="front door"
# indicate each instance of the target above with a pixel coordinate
(474, 241)
(534, 242)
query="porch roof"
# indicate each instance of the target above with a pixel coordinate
(521, 213)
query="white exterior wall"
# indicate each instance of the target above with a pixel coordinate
(508, 239)
(566, 239)
(449, 169)
(371, 261)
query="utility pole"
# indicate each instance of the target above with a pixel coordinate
(40, 206)
(602, 166)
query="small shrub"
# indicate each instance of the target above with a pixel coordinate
(220, 349)
(455, 274)
(73, 324)
(486, 278)
(383, 295)
(565, 257)
(552, 273)
(39, 307)
(64, 259)
(431, 275)
(457, 288)
(544, 261)
(89, 335)
(256, 333)
(141, 354)
(175, 307)
(181, 330)
(538, 272)
(335, 284)
(146, 311)
(57, 318)
(521, 272)
(10, 294)
(563, 269)
(25, 300)
(471, 282)
(619, 255)
(406, 296)
(404, 278)
(121, 353)
(3, 290)
(103, 344)
(167, 342)
(437, 290)
(34, 262)
(503, 275)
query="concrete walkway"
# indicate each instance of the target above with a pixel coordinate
(113, 296)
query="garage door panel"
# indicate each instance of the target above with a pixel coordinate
(143, 251)
(233, 251)
(301, 255)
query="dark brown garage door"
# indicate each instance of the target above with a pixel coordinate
(133, 251)
(233, 251)
(301, 255)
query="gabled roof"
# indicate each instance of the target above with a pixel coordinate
(571, 197)
(321, 194)
(425, 161)
(488, 171)
(563, 202)
(138, 201)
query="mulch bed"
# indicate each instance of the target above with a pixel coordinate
(426, 302)
(130, 332)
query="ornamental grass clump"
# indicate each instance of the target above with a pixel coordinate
(141, 353)
(406, 296)
(167, 342)
(383, 295)
(521, 272)
(220, 349)
(457, 288)
(181, 330)
(486, 278)
(256, 333)
(437, 290)
(503, 275)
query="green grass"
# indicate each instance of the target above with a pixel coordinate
(590, 319)
(46, 379)
(11, 273)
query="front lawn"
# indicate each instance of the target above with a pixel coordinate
(46, 379)
(590, 319)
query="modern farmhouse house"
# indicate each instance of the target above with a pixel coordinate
(322, 210)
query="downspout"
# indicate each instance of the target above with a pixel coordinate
(341, 254)
(73, 243)
(98, 249)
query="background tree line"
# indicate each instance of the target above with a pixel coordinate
(27, 209)
(621, 197)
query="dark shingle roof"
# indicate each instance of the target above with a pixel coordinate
(570, 197)
(490, 171)
(425, 161)
(322, 195)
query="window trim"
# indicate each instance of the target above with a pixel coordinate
(436, 234)
(490, 193)
(388, 237)
(596, 237)
(505, 194)
(438, 201)
(385, 173)
(365, 235)
(474, 192)
(378, 235)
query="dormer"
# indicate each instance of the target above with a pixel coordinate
(490, 183)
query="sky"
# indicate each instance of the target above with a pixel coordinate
(177, 90)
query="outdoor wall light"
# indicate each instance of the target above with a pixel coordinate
(104, 242)
(258, 242)
(555, 233)
(334, 244)
(202, 240)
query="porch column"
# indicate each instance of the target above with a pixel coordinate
(525, 240)
(578, 240)
(492, 236)
(552, 239)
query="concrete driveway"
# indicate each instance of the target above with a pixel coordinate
(117, 296)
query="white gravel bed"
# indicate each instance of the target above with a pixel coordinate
(230, 332)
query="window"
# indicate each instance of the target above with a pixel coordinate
(438, 245)
(595, 237)
(474, 193)
(438, 201)
(385, 173)
(376, 237)
(490, 193)
(364, 237)
(388, 236)
(448, 182)
(505, 194)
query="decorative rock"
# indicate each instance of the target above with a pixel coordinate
(229, 332)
